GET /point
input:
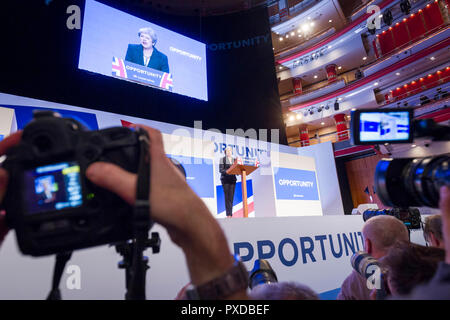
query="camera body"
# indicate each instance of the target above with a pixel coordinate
(403, 182)
(50, 203)
(409, 216)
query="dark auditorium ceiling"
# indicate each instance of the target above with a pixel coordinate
(198, 7)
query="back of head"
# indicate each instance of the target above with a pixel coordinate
(409, 264)
(433, 225)
(384, 232)
(283, 291)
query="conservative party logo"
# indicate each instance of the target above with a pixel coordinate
(295, 184)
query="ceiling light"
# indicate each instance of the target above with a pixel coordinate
(375, 84)
(298, 116)
(397, 74)
(340, 99)
(299, 30)
(299, 35)
(291, 118)
(365, 58)
(281, 38)
(353, 109)
(281, 67)
(329, 47)
(287, 36)
(315, 76)
(432, 58)
(330, 21)
(340, 67)
(413, 146)
(312, 24)
(305, 27)
(322, 123)
(292, 33)
(380, 16)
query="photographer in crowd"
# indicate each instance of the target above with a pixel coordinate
(380, 233)
(438, 288)
(174, 205)
(408, 265)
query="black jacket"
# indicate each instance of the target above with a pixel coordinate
(223, 167)
(158, 60)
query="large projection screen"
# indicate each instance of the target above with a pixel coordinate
(119, 45)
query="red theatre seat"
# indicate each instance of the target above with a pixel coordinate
(415, 25)
(399, 93)
(445, 75)
(414, 88)
(431, 80)
(432, 16)
(400, 33)
(386, 42)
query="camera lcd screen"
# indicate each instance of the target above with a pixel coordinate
(385, 126)
(53, 187)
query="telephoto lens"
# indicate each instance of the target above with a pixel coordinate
(412, 182)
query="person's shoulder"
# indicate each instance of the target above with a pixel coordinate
(134, 46)
(160, 54)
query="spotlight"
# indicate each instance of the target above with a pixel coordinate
(387, 17)
(327, 107)
(405, 6)
(311, 111)
(336, 106)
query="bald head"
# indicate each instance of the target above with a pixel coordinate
(382, 232)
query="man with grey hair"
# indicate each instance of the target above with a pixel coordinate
(145, 53)
(379, 233)
(432, 231)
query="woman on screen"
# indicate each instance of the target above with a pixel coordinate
(145, 53)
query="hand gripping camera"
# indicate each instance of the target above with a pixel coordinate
(50, 203)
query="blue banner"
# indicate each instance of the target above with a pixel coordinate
(295, 184)
(199, 174)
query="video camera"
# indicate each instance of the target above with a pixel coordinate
(50, 203)
(403, 182)
(409, 216)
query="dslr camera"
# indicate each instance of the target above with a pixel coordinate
(50, 203)
(403, 182)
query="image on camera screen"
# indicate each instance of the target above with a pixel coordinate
(379, 126)
(53, 187)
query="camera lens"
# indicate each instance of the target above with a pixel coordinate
(412, 182)
(43, 143)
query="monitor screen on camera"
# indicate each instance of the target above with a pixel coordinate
(386, 127)
(53, 187)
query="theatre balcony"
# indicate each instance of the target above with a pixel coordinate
(394, 57)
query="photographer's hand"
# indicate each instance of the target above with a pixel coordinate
(5, 144)
(175, 206)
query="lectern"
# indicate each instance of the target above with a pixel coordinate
(243, 169)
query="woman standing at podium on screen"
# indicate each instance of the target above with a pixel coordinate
(228, 180)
